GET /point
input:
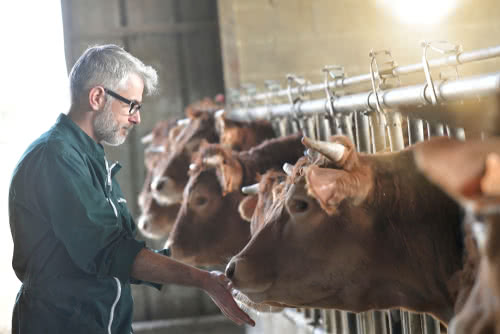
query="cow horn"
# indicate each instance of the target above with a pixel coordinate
(147, 138)
(287, 168)
(250, 190)
(333, 151)
(183, 121)
(213, 160)
(219, 113)
(155, 149)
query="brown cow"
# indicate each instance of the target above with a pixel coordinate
(470, 173)
(241, 136)
(209, 229)
(154, 220)
(355, 232)
(170, 176)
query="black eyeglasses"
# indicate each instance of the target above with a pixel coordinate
(134, 105)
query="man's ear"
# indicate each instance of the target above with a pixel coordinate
(97, 98)
(247, 207)
(331, 186)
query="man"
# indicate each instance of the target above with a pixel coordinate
(74, 246)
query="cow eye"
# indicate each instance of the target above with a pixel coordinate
(297, 205)
(199, 201)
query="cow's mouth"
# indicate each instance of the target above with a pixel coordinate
(247, 303)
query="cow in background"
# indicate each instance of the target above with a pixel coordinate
(355, 232)
(158, 212)
(209, 229)
(154, 218)
(470, 173)
(169, 176)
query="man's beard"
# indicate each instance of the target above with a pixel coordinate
(107, 129)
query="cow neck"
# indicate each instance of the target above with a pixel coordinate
(427, 283)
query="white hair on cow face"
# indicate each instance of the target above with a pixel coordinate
(107, 128)
(109, 66)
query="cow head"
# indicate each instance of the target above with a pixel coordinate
(470, 173)
(171, 174)
(241, 136)
(208, 229)
(155, 221)
(330, 233)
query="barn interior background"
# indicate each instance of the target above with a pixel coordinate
(202, 48)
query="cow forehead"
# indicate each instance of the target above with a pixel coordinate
(204, 178)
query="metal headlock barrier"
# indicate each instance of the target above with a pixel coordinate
(371, 120)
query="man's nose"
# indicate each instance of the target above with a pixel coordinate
(135, 118)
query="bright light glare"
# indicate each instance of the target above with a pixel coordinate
(34, 91)
(420, 12)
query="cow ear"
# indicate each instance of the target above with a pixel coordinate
(230, 173)
(247, 207)
(175, 131)
(331, 186)
(490, 182)
(434, 158)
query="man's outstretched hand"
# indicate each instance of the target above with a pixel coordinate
(218, 287)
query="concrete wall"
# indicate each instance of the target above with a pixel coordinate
(266, 39)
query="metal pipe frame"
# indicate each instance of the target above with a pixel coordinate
(416, 95)
(451, 60)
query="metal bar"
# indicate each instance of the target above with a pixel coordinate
(379, 319)
(457, 133)
(415, 131)
(395, 131)
(431, 325)
(451, 60)
(415, 323)
(435, 129)
(378, 125)
(394, 321)
(362, 132)
(474, 86)
(346, 126)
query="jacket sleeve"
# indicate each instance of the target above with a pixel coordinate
(82, 217)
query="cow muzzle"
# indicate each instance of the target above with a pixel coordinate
(166, 191)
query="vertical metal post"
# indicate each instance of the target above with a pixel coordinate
(415, 131)
(378, 124)
(395, 132)
(457, 133)
(327, 128)
(435, 129)
(284, 127)
(395, 321)
(310, 127)
(362, 132)
(346, 125)
(380, 322)
(431, 325)
(327, 323)
(350, 323)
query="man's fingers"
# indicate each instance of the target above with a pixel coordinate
(239, 313)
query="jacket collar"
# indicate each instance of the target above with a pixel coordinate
(79, 137)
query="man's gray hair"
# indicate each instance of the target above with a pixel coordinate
(109, 66)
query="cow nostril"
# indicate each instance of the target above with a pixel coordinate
(160, 185)
(231, 267)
